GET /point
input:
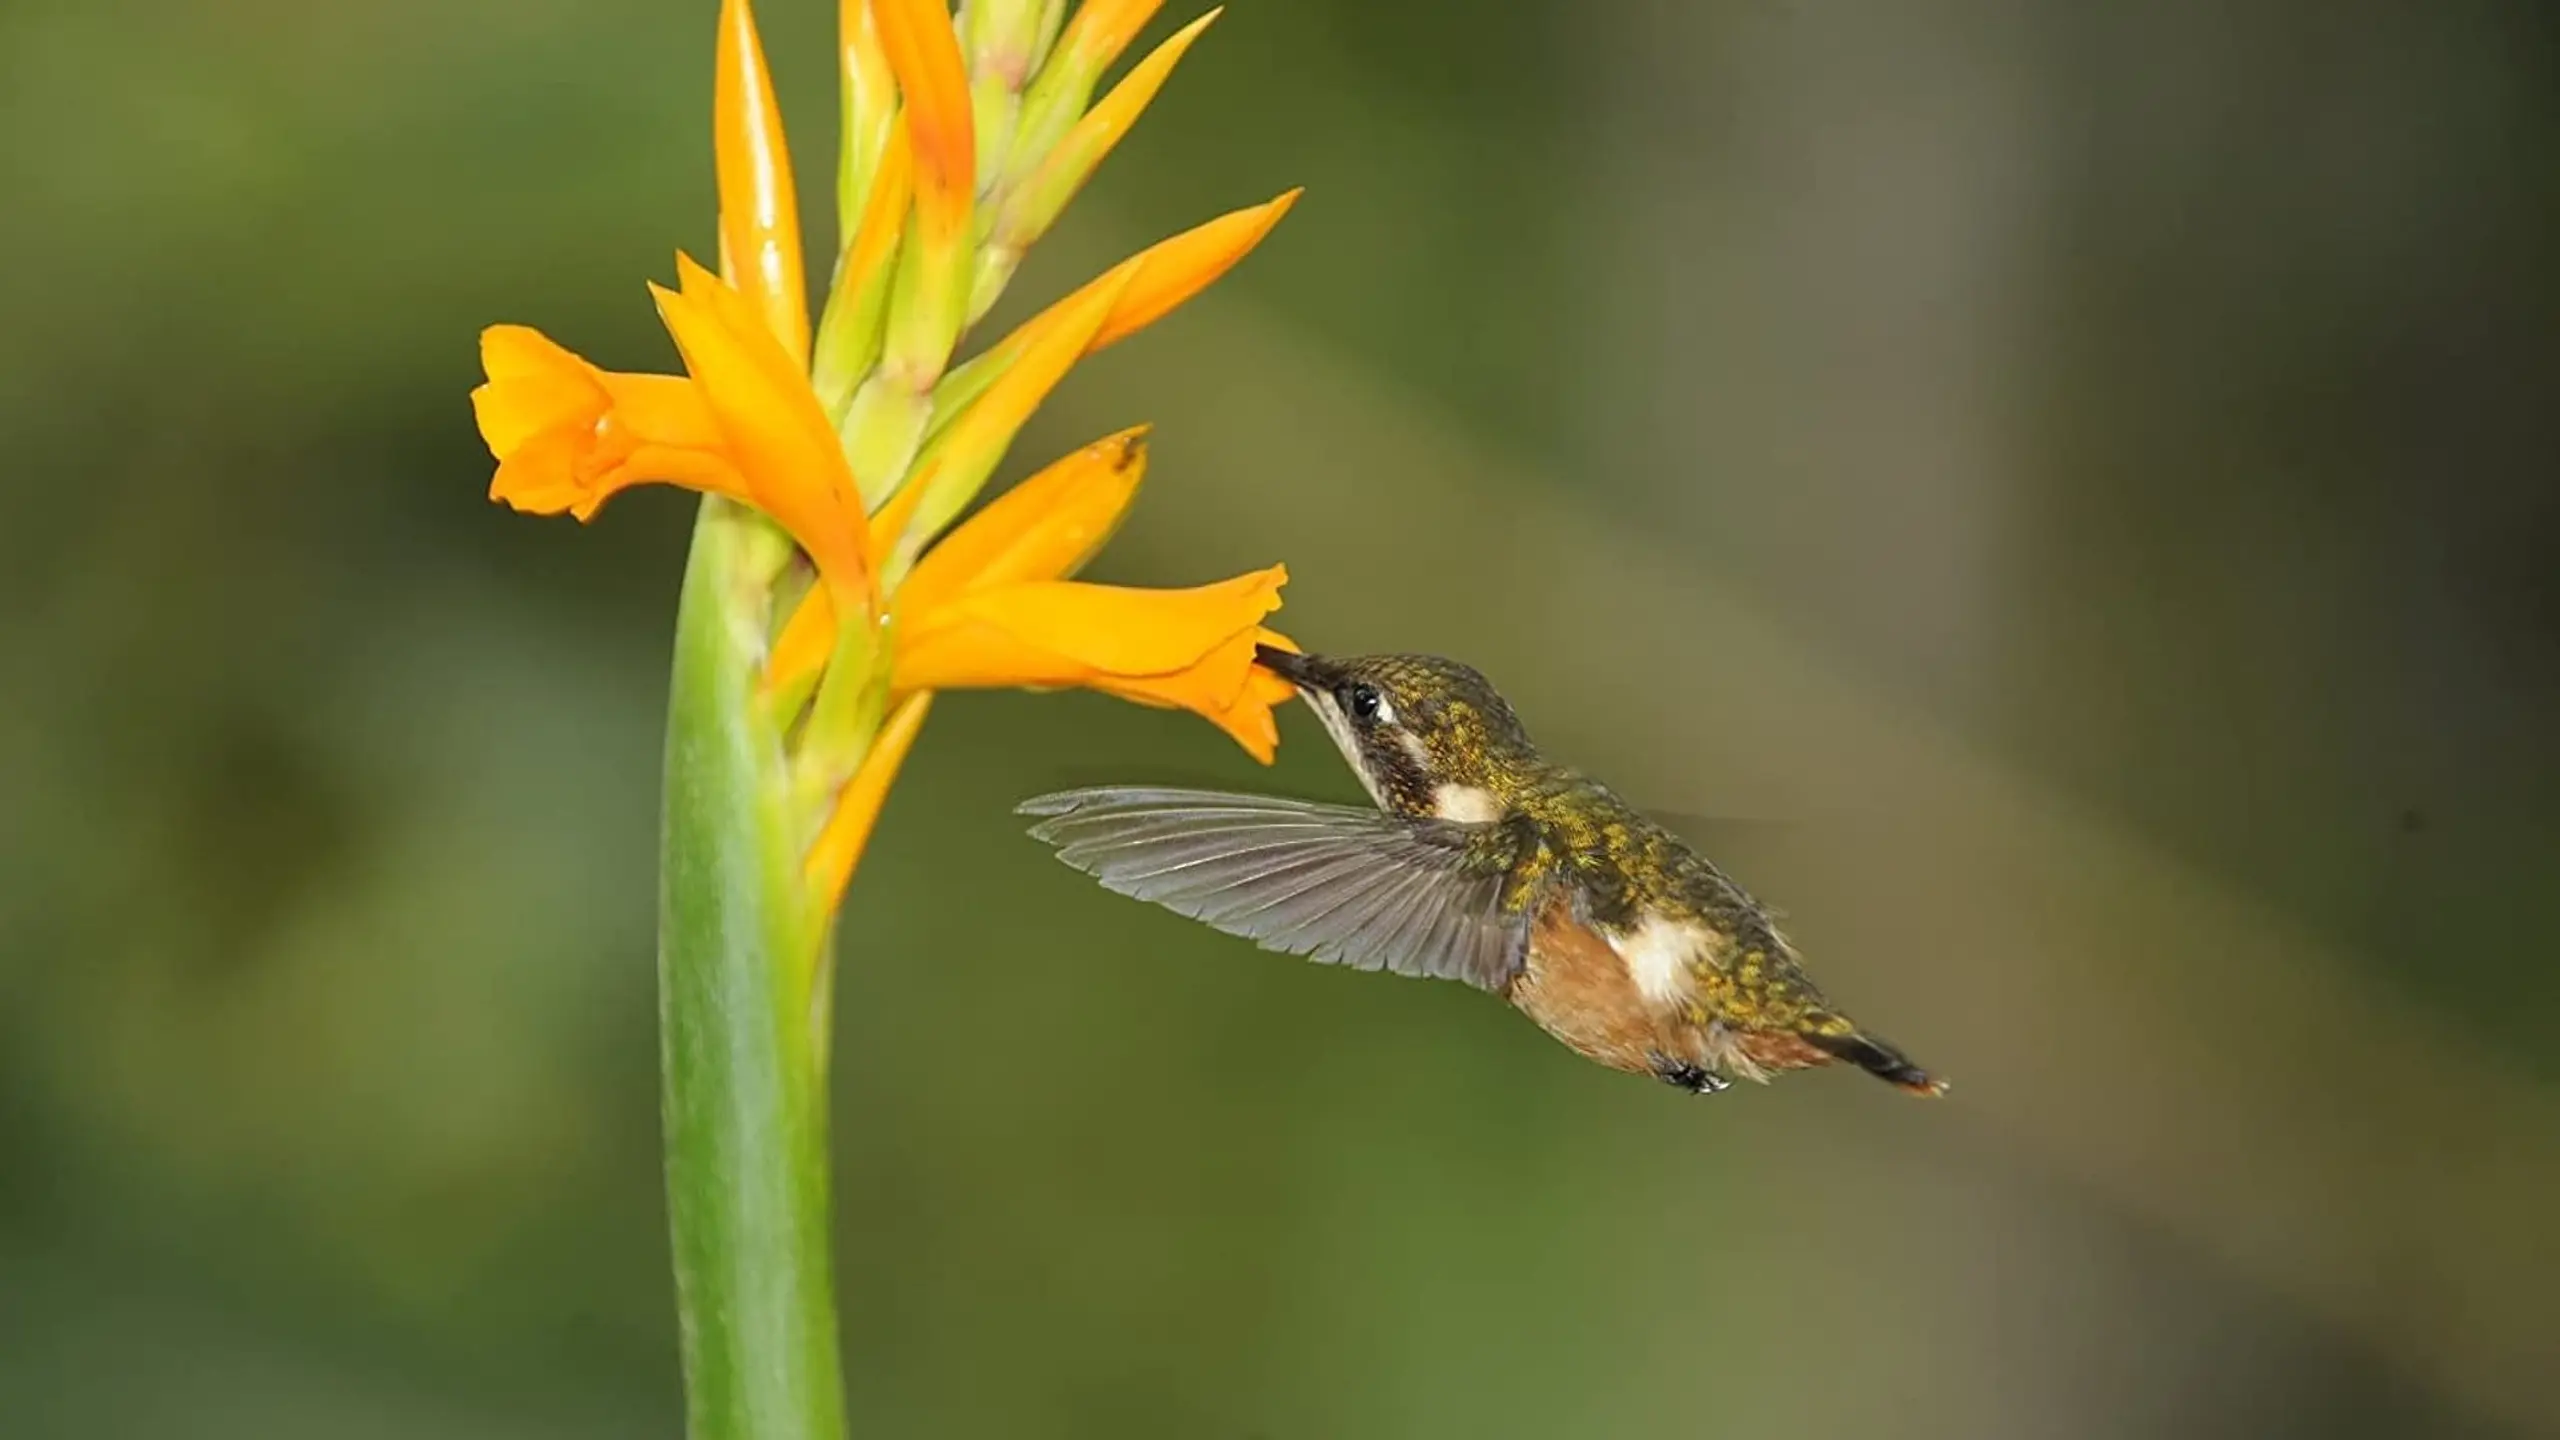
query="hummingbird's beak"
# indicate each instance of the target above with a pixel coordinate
(1307, 672)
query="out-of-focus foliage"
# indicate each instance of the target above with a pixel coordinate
(2087, 468)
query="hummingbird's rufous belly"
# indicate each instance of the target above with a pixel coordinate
(1582, 990)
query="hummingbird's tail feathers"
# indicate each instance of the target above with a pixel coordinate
(1880, 1060)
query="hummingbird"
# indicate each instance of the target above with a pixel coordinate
(1482, 862)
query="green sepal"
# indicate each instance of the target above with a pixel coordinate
(851, 331)
(1054, 102)
(927, 298)
(965, 382)
(1053, 14)
(997, 38)
(881, 431)
(994, 271)
(853, 696)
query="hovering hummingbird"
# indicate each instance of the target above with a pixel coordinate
(1487, 863)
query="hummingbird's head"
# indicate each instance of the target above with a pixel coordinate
(1426, 736)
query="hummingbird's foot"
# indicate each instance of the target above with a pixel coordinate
(1687, 1075)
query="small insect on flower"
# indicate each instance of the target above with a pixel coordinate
(1483, 862)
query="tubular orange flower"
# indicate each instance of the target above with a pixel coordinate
(1191, 649)
(569, 436)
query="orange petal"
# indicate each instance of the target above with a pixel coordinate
(534, 382)
(759, 209)
(1101, 29)
(1042, 529)
(1062, 632)
(848, 829)
(1186, 649)
(1172, 271)
(1247, 718)
(771, 422)
(1169, 272)
(924, 53)
(568, 436)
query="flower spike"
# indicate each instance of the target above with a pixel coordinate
(865, 447)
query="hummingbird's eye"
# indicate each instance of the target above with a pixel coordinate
(1368, 706)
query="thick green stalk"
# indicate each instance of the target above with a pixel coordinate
(744, 1098)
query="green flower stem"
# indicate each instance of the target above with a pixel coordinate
(743, 1052)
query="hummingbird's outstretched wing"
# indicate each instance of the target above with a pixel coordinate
(1339, 885)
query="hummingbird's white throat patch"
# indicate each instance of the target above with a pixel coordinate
(1338, 725)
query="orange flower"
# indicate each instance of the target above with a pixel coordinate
(569, 436)
(988, 605)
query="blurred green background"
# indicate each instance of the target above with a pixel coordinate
(2087, 472)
